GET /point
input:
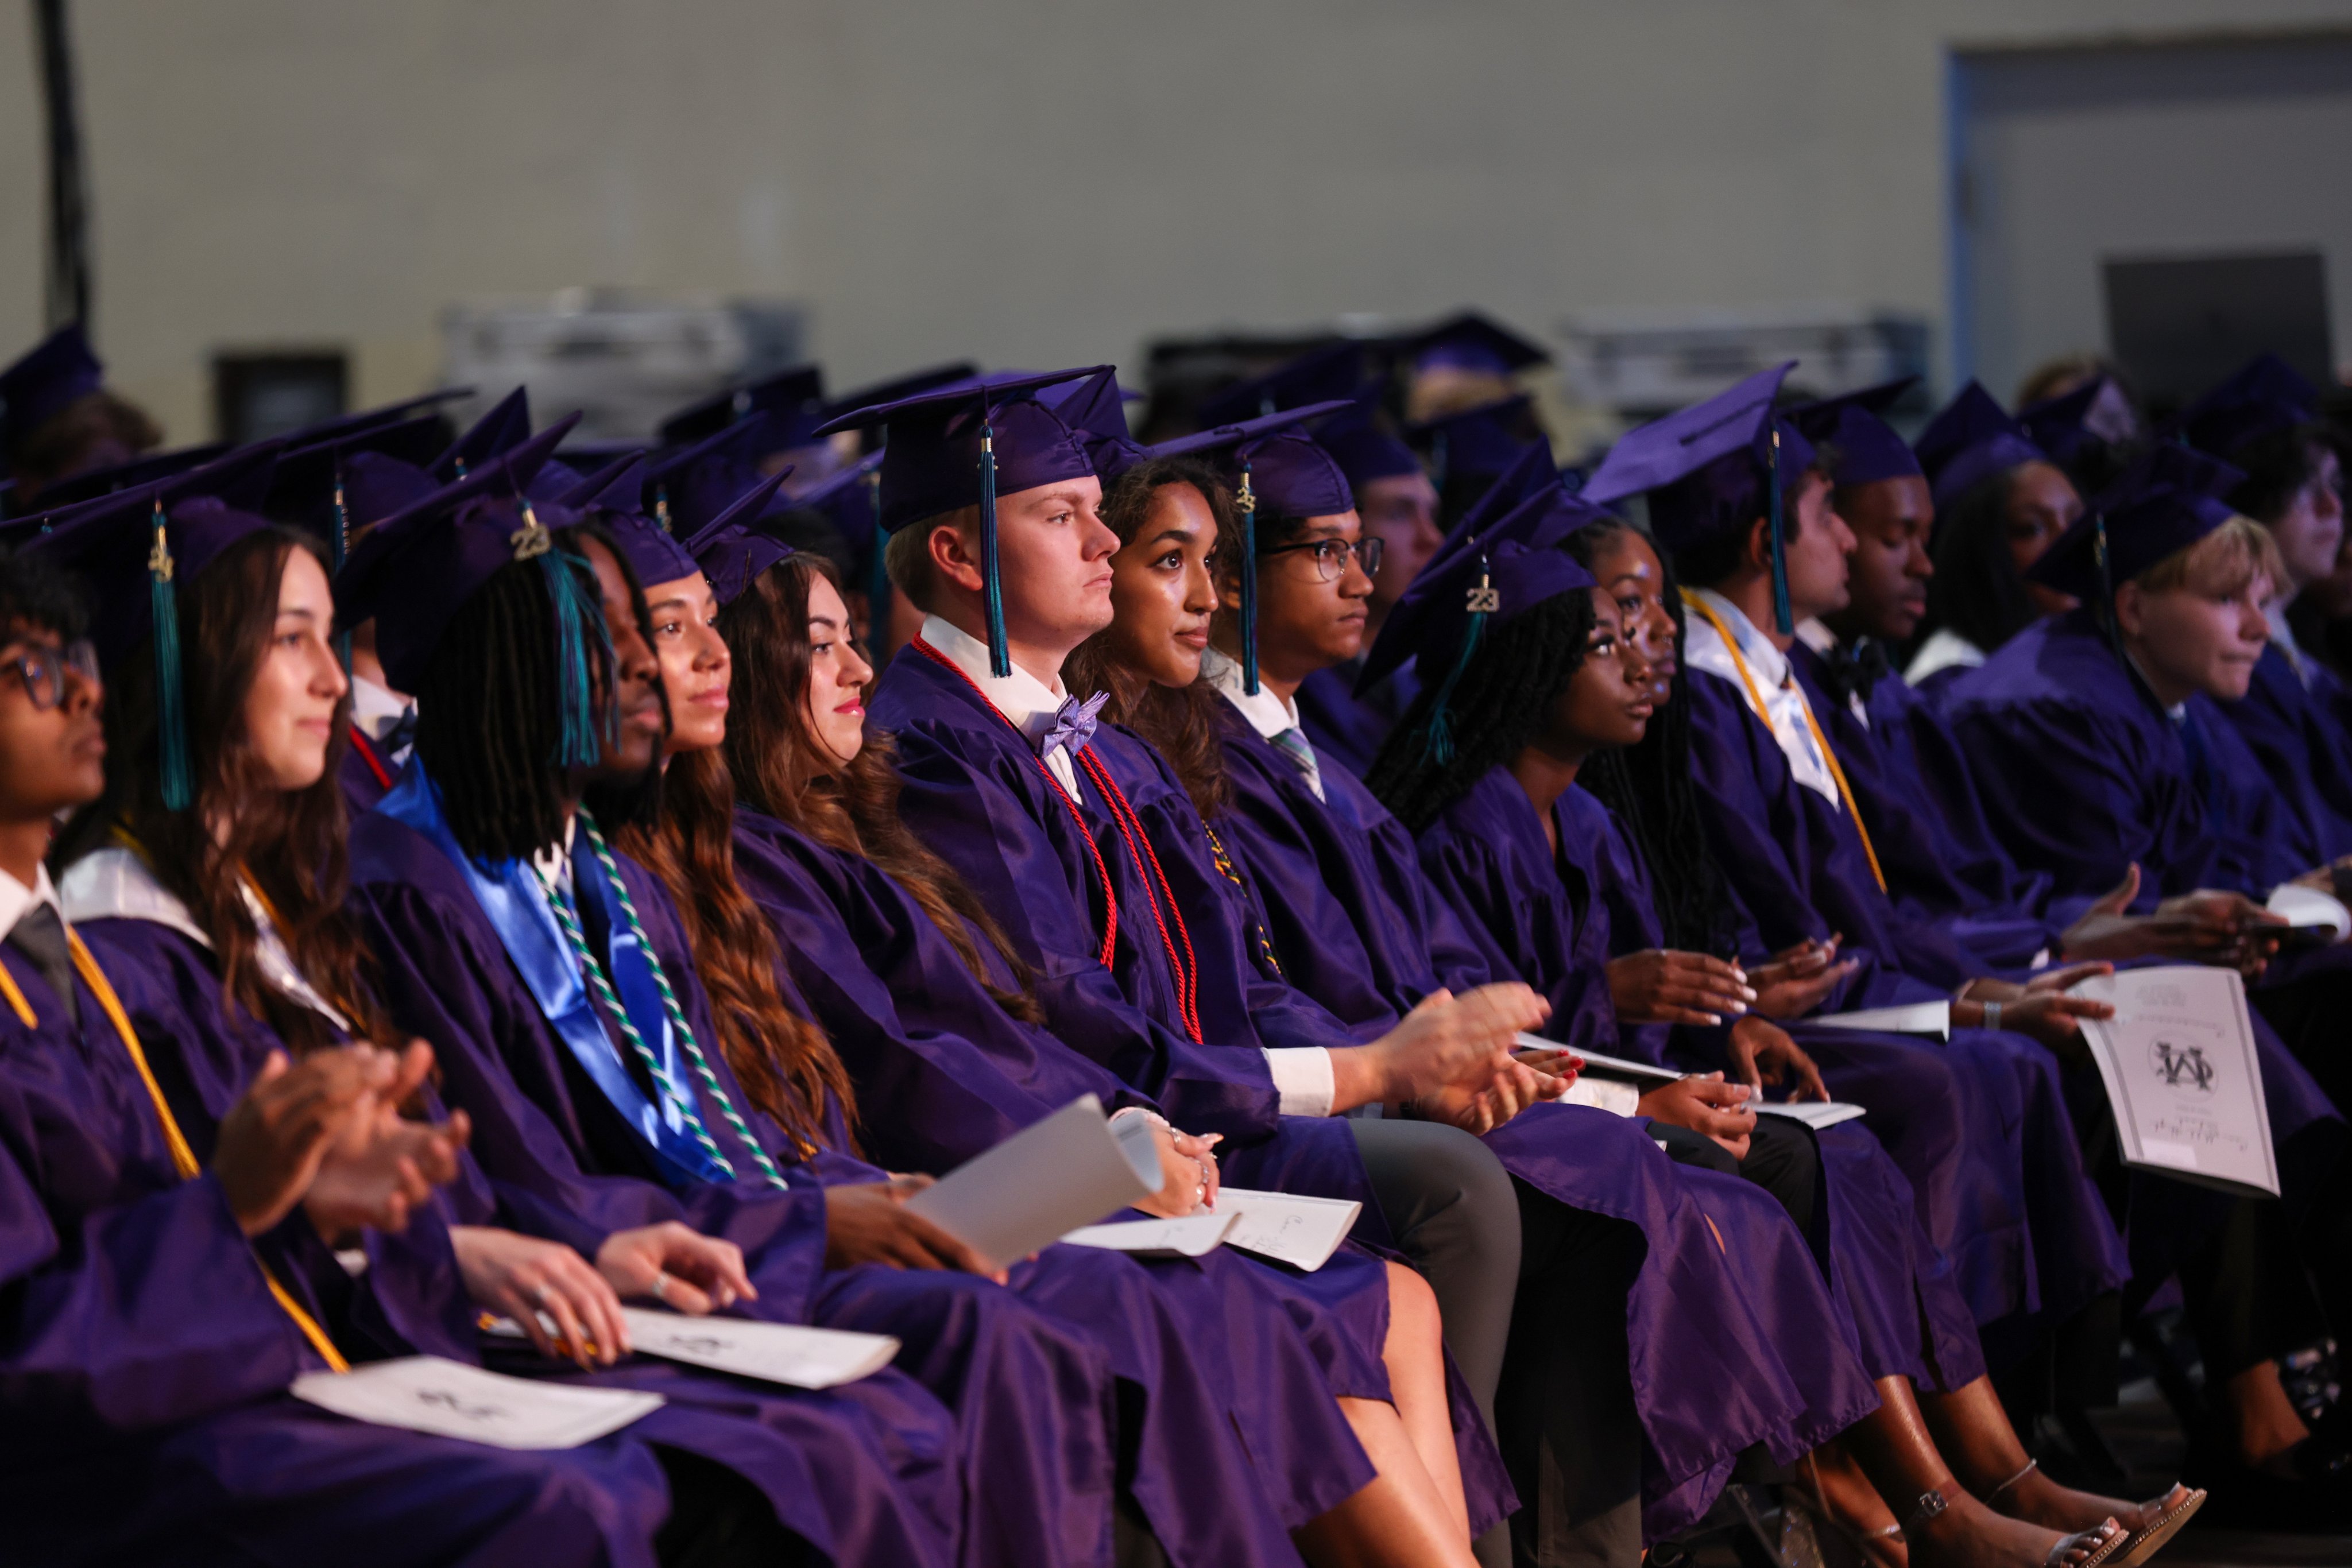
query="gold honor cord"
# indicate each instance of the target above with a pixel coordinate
(184, 1158)
(1756, 700)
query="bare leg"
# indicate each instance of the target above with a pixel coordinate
(1415, 1355)
(1399, 1518)
(1973, 1432)
(2266, 1421)
(1897, 1453)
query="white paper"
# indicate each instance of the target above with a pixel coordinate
(1918, 1017)
(2178, 1062)
(795, 1354)
(1052, 1176)
(1613, 1095)
(1300, 1232)
(1192, 1236)
(1606, 1066)
(1813, 1113)
(2309, 906)
(450, 1399)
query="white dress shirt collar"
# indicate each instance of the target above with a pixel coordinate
(17, 899)
(1020, 696)
(374, 708)
(1785, 709)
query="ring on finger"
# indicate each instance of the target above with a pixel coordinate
(661, 1286)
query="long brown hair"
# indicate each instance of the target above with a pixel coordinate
(781, 767)
(288, 844)
(1183, 722)
(785, 1060)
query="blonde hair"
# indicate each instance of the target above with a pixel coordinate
(2241, 549)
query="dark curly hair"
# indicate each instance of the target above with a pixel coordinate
(1498, 707)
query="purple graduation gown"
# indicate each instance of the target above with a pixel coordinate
(943, 1073)
(1034, 1399)
(1886, 761)
(972, 789)
(143, 1362)
(2298, 740)
(1346, 729)
(1979, 1125)
(365, 774)
(862, 1471)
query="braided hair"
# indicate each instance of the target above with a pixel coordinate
(489, 711)
(1503, 700)
(1649, 786)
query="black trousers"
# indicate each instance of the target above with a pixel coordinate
(719, 1520)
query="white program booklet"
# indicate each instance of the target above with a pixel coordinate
(450, 1399)
(1613, 1095)
(797, 1355)
(1918, 1018)
(1814, 1113)
(1300, 1232)
(1604, 1066)
(1192, 1236)
(2178, 1062)
(1047, 1179)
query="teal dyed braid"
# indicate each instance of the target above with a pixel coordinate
(677, 1013)
(602, 983)
(171, 705)
(578, 617)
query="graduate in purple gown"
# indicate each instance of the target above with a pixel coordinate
(1252, 1374)
(566, 1021)
(189, 1227)
(1148, 659)
(2264, 422)
(1545, 873)
(1735, 494)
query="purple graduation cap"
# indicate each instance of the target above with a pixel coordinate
(739, 545)
(418, 566)
(1476, 343)
(793, 401)
(1319, 375)
(2267, 395)
(959, 447)
(685, 489)
(1514, 564)
(2067, 426)
(1097, 409)
(1474, 443)
(161, 536)
(1867, 448)
(128, 476)
(505, 427)
(2167, 500)
(1713, 467)
(57, 371)
(898, 389)
(616, 493)
(1361, 446)
(851, 500)
(1281, 471)
(1969, 441)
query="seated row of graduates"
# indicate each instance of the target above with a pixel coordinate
(690, 937)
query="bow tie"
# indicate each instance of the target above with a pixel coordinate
(1074, 725)
(1853, 672)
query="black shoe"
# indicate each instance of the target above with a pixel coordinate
(2310, 1494)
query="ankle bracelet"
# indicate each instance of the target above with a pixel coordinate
(2030, 1466)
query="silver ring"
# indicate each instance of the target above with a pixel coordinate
(661, 1286)
(540, 1295)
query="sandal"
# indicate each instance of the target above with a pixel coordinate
(2145, 1543)
(1932, 1503)
(1808, 1527)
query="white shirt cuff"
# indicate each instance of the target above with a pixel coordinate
(1302, 1076)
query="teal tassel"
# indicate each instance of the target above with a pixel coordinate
(1782, 618)
(2107, 583)
(1246, 504)
(340, 542)
(171, 707)
(878, 588)
(1000, 658)
(1437, 741)
(578, 617)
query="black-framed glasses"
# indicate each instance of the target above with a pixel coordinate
(43, 667)
(1331, 555)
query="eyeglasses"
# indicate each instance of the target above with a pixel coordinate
(44, 668)
(1331, 556)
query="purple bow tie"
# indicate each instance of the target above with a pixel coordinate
(1074, 725)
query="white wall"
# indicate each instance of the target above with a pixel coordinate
(1030, 182)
